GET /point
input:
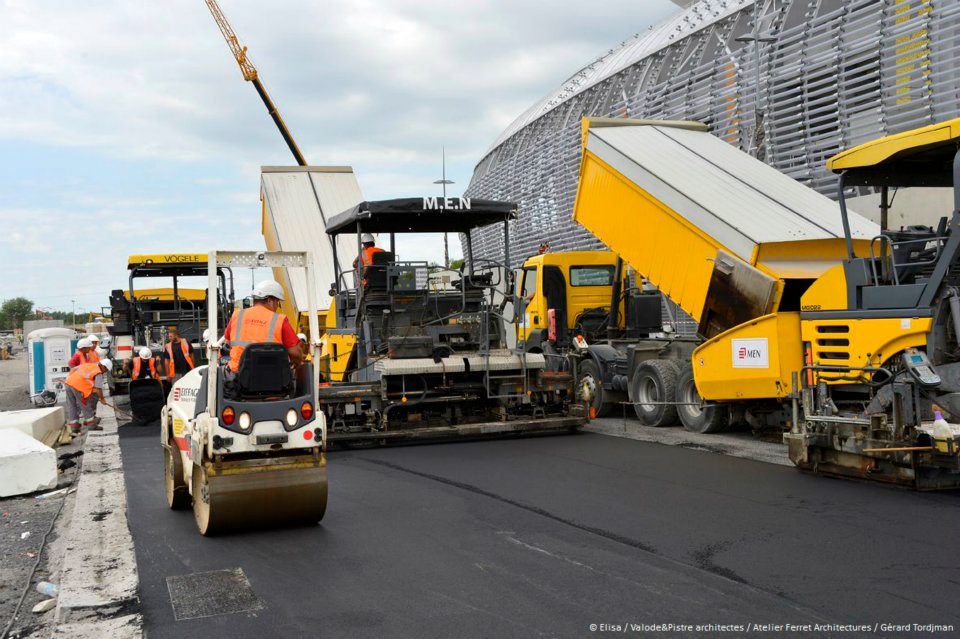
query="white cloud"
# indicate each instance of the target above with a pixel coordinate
(377, 84)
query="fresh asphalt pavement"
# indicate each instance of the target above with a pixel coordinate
(546, 536)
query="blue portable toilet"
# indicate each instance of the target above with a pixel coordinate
(48, 353)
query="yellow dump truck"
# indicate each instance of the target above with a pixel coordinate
(810, 314)
(583, 312)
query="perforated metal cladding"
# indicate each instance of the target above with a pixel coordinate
(840, 73)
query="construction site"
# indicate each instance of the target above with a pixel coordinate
(681, 358)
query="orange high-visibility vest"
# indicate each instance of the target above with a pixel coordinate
(257, 324)
(187, 354)
(90, 357)
(136, 367)
(81, 379)
(367, 258)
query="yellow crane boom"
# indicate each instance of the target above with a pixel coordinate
(250, 74)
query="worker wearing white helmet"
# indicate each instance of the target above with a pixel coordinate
(84, 354)
(304, 347)
(80, 386)
(368, 250)
(144, 366)
(262, 323)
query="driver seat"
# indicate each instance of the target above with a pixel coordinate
(264, 371)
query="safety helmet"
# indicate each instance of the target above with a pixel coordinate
(95, 338)
(206, 334)
(85, 343)
(107, 364)
(302, 337)
(366, 238)
(145, 353)
(267, 288)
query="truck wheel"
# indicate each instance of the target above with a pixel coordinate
(178, 497)
(591, 379)
(698, 417)
(653, 386)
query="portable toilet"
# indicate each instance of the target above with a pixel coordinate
(48, 353)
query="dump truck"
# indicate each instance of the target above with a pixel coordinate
(246, 449)
(809, 316)
(585, 312)
(412, 351)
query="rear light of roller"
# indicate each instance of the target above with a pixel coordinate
(306, 410)
(228, 416)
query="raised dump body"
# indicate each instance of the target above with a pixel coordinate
(722, 234)
(297, 201)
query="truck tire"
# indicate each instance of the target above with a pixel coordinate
(705, 418)
(653, 386)
(589, 375)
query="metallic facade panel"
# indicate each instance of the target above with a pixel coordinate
(297, 201)
(837, 73)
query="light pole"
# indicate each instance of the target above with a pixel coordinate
(444, 181)
(755, 38)
(73, 313)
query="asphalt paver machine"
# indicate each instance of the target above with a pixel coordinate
(247, 448)
(811, 318)
(417, 351)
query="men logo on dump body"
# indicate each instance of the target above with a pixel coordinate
(751, 353)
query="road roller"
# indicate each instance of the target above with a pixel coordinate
(247, 449)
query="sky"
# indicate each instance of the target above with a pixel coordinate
(126, 127)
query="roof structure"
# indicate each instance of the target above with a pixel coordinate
(421, 215)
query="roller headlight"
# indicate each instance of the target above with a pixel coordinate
(245, 421)
(292, 418)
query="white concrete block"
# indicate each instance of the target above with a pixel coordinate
(43, 424)
(26, 465)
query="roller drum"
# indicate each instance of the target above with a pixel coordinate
(259, 497)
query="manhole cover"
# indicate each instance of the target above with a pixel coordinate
(206, 594)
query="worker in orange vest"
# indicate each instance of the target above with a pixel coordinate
(83, 354)
(144, 366)
(179, 355)
(366, 255)
(94, 352)
(85, 381)
(261, 323)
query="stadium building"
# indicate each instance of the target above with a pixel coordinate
(790, 81)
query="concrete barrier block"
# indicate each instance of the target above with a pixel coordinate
(43, 424)
(26, 465)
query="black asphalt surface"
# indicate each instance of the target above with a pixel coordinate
(545, 536)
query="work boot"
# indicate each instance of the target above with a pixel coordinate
(95, 427)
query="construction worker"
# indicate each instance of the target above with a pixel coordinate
(304, 347)
(95, 347)
(144, 366)
(83, 354)
(366, 255)
(85, 381)
(179, 355)
(261, 323)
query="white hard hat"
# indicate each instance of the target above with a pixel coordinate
(145, 353)
(107, 364)
(366, 238)
(85, 343)
(94, 338)
(302, 337)
(267, 288)
(206, 334)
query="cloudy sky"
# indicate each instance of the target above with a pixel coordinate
(126, 127)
